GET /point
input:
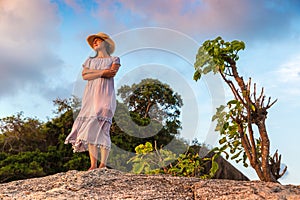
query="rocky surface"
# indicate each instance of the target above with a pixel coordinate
(112, 184)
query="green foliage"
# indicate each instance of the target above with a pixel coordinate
(149, 160)
(151, 99)
(31, 148)
(118, 159)
(214, 168)
(144, 149)
(150, 112)
(3, 156)
(229, 131)
(20, 166)
(187, 165)
(79, 161)
(214, 55)
(35, 163)
(19, 133)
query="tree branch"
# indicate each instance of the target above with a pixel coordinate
(233, 89)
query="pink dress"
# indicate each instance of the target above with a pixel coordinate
(93, 122)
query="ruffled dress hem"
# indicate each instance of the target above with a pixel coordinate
(98, 125)
(82, 145)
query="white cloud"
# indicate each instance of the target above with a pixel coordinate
(290, 72)
(28, 35)
(75, 4)
(289, 76)
(242, 19)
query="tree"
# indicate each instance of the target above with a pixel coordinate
(152, 99)
(237, 120)
(150, 111)
(31, 148)
(60, 126)
(19, 133)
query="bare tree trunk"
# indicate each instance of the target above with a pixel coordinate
(265, 150)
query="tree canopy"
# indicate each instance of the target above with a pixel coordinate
(149, 111)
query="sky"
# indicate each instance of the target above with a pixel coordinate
(43, 45)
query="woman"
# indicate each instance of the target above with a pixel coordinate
(90, 130)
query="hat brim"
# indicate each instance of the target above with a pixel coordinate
(105, 38)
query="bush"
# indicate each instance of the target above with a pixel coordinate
(150, 160)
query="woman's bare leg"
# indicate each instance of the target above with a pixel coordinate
(104, 155)
(93, 151)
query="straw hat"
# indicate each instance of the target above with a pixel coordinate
(103, 36)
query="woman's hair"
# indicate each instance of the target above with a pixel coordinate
(107, 49)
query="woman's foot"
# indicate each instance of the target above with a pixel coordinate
(92, 168)
(102, 165)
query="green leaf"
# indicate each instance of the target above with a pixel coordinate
(216, 51)
(238, 45)
(236, 155)
(252, 107)
(148, 145)
(218, 38)
(236, 143)
(226, 125)
(232, 102)
(138, 168)
(224, 147)
(134, 159)
(223, 140)
(220, 108)
(197, 75)
(214, 168)
(215, 156)
(216, 116)
(222, 68)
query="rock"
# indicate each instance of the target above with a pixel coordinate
(237, 190)
(112, 184)
(226, 170)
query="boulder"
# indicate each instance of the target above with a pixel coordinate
(226, 170)
(112, 184)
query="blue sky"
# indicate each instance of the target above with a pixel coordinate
(42, 45)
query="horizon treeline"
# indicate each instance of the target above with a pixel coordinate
(32, 148)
